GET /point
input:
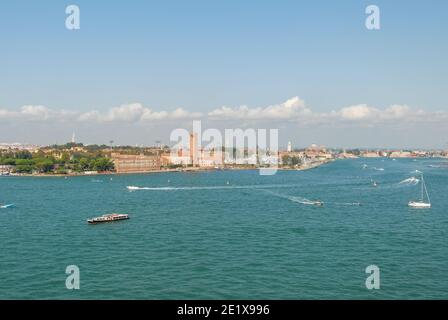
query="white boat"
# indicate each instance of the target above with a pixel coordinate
(6, 206)
(317, 203)
(424, 192)
(108, 218)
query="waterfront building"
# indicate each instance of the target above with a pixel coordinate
(211, 158)
(370, 154)
(125, 163)
(400, 154)
(179, 158)
(194, 154)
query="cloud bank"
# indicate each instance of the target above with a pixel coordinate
(292, 110)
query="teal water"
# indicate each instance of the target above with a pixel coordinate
(192, 236)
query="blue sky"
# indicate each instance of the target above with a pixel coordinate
(202, 55)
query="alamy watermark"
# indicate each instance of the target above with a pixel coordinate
(373, 280)
(73, 20)
(72, 282)
(373, 21)
(252, 147)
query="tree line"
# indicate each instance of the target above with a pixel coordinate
(39, 162)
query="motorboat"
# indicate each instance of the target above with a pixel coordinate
(108, 218)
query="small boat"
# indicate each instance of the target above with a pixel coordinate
(132, 188)
(421, 204)
(108, 218)
(6, 206)
(317, 203)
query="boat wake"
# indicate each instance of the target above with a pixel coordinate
(309, 202)
(410, 181)
(354, 204)
(226, 187)
(296, 199)
(305, 201)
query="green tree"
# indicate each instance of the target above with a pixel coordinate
(44, 165)
(8, 162)
(103, 164)
(286, 160)
(24, 162)
(24, 169)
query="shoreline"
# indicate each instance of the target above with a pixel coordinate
(183, 170)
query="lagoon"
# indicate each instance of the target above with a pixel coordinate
(193, 236)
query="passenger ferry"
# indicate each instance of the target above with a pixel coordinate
(108, 218)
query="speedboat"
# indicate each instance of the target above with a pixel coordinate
(6, 206)
(317, 203)
(108, 218)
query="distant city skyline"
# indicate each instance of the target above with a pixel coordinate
(137, 70)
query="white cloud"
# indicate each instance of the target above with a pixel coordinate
(135, 113)
(6, 114)
(36, 113)
(290, 109)
(363, 113)
(359, 112)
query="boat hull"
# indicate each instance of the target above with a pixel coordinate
(108, 218)
(419, 205)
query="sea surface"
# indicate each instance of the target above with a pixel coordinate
(229, 234)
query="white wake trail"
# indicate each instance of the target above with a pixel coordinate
(135, 188)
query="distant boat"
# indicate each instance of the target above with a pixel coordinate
(6, 206)
(424, 192)
(132, 188)
(108, 218)
(318, 203)
(314, 203)
(374, 183)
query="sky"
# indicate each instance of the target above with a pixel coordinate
(136, 70)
